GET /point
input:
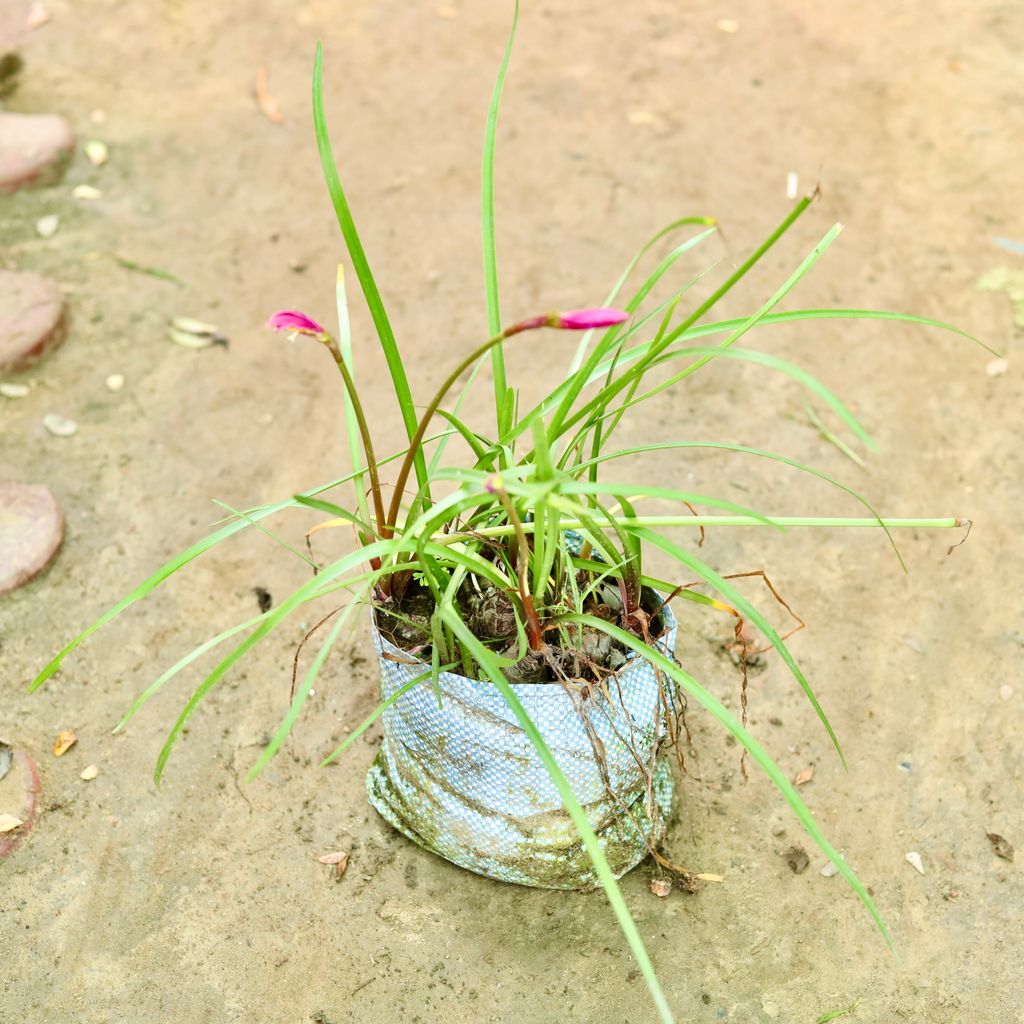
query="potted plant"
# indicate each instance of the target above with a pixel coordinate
(530, 689)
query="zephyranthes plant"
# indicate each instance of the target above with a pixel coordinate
(494, 525)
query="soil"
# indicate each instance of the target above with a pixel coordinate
(204, 901)
(590, 656)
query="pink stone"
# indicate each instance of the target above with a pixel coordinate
(33, 149)
(32, 319)
(31, 531)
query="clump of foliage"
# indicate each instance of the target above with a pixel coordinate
(519, 561)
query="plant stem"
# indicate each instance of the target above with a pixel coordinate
(387, 526)
(364, 429)
(532, 621)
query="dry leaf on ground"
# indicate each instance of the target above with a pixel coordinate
(1000, 847)
(64, 742)
(339, 859)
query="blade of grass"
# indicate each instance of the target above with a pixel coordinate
(559, 423)
(738, 601)
(270, 621)
(778, 522)
(177, 667)
(267, 533)
(367, 283)
(490, 665)
(726, 718)
(302, 691)
(832, 438)
(378, 711)
(760, 453)
(576, 383)
(183, 558)
(352, 436)
(581, 350)
(487, 228)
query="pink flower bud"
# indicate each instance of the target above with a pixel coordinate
(293, 320)
(586, 319)
(493, 484)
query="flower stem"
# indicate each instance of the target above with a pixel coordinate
(388, 524)
(364, 430)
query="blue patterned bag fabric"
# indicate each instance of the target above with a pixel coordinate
(463, 780)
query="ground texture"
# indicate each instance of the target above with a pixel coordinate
(204, 901)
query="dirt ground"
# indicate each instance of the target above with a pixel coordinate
(203, 901)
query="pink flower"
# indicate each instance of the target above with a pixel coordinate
(586, 319)
(293, 320)
(493, 484)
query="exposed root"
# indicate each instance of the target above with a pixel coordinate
(302, 643)
(963, 540)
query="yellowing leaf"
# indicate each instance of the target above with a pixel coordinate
(64, 742)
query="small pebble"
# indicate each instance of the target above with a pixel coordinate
(792, 185)
(14, 390)
(37, 16)
(59, 426)
(32, 318)
(914, 860)
(89, 772)
(997, 367)
(97, 152)
(31, 530)
(115, 382)
(644, 117)
(34, 147)
(661, 887)
(47, 226)
(905, 766)
(913, 643)
(86, 192)
(729, 25)
(1005, 692)
(829, 870)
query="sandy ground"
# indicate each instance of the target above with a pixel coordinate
(203, 902)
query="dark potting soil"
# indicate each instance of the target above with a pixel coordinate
(491, 614)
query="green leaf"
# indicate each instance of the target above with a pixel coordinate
(490, 664)
(726, 718)
(487, 228)
(361, 265)
(269, 622)
(734, 597)
(303, 690)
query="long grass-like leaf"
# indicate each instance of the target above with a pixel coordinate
(489, 663)
(760, 453)
(735, 598)
(581, 350)
(352, 435)
(770, 768)
(487, 227)
(361, 266)
(269, 622)
(378, 711)
(303, 690)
